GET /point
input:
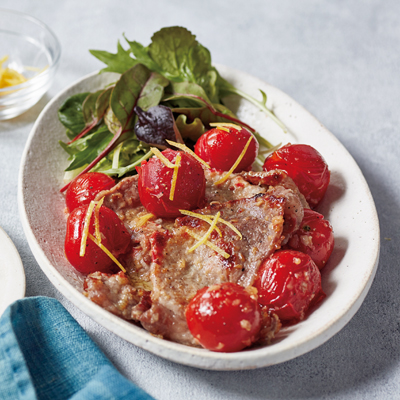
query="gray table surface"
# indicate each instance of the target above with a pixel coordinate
(341, 61)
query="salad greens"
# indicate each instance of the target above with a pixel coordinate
(167, 90)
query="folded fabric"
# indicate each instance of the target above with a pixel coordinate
(45, 354)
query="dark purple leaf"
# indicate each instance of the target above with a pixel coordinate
(156, 125)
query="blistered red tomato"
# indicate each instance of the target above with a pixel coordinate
(288, 283)
(114, 237)
(85, 187)
(305, 166)
(220, 149)
(224, 317)
(155, 180)
(314, 237)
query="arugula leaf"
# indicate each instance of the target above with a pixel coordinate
(85, 150)
(71, 116)
(118, 62)
(142, 55)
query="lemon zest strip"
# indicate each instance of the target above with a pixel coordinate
(96, 219)
(175, 176)
(162, 158)
(209, 244)
(143, 219)
(225, 125)
(230, 225)
(225, 177)
(102, 247)
(205, 218)
(85, 232)
(189, 151)
(207, 234)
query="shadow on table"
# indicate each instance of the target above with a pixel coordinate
(364, 351)
(28, 117)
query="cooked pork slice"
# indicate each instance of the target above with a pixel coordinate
(274, 178)
(247, 184)
(115, 293)
(178, 273)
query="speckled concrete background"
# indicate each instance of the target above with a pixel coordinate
(341, 61)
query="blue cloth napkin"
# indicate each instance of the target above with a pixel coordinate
(45, 354)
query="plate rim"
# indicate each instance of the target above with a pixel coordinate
(188, 355)
(18, 277)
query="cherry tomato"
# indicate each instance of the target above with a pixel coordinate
(84, 189)
(220, 149)
(155, 180)
(224, 317)
(288, 282)
(314, 237)
(305, 166)
(114, 237)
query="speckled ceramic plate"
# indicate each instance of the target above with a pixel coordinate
(348, 205)
(12, 275)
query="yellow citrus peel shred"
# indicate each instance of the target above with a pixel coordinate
(226, 125)
(85, 232)
(206, 218)
(143, 219)
(102, 247)
(230, 225)
(189, 151)
(209, 218)
(97, 219)
(8, 76)
(209, 244)
(161, 157)
(226, 176)
(207, 234)
(175, 176)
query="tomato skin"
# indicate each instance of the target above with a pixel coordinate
(288, 283)
(114, 237)
(224, 317)
(221, 149)
(154, 185)
(306, 166)
(84, 189)
(314, 237)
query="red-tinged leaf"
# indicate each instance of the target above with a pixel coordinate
(93, 109)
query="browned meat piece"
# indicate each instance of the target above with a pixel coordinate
(177, 274)
(115, 293)
(247, 184)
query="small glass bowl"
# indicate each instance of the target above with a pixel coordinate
(34, 51)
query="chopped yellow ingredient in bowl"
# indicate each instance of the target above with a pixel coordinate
(8, 76)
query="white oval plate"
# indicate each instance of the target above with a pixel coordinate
(12, 275)
(348, 205)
